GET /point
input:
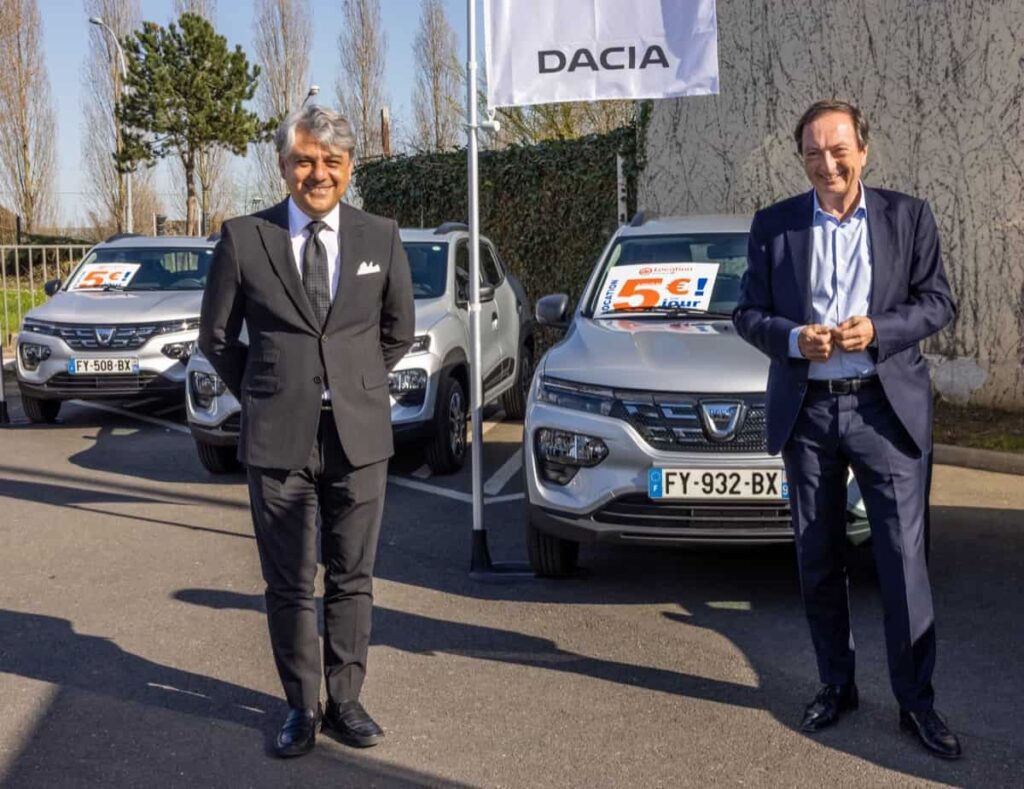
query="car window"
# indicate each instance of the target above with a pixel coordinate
(152, 268)
(698, 271)
(462, 271)
(490, 269)
(428, 264)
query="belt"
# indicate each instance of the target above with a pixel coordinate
(842, 386)
(325, 405)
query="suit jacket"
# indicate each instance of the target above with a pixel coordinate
(910, 300)
(280, 377)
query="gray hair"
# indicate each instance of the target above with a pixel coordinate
(329, 128)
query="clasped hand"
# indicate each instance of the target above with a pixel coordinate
(818, 342)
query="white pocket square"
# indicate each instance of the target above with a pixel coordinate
(367, 268)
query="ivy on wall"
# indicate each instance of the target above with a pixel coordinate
(549, 208)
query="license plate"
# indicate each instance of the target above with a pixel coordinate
(718, 483)
(103, 366)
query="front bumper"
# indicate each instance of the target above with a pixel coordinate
(609, 502)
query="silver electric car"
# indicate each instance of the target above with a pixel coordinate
(646, 423)
(122, 325)
(430, 384)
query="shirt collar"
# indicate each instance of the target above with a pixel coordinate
(297, 219)
(858, 213)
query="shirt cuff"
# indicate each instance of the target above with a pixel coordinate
(794, 343)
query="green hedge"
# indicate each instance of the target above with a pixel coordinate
(549, 208)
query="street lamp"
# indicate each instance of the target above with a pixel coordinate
(313, 90)
(95, 20)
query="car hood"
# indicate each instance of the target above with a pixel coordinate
(119, 306)
(429, 312)
(659, 355)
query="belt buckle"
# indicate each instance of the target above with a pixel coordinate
(842, 386)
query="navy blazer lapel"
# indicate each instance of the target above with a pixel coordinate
(798, 239)
(277, 240)
(350, 242)
(882, 241)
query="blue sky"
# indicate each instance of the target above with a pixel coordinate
(66, 28)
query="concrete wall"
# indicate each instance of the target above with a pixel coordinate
(942, 83)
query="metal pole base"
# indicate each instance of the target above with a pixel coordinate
(5, 418)
(482, 569)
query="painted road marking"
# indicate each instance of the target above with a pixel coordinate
(499, 479)
(132, 415)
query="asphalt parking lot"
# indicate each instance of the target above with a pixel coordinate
(133, 648)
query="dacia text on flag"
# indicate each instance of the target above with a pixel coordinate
(539, 51)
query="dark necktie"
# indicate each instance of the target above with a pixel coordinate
(314, 272)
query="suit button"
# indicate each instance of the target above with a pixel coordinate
(323, 338)
(316, 379)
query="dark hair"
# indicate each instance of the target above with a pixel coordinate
(819, 108)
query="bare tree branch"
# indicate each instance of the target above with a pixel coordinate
(363, 48)
(437, 108)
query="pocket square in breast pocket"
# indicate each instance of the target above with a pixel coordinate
(367, 267)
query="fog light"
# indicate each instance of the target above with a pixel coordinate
(205, 387)
(560, 454)
(32, 354)
(408, 387)
(178, 350)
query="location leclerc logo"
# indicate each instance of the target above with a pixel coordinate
(552, 61)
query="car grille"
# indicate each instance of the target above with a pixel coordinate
(638, 511)
(233, 424)
(127, 384)
(673, 422)
(124, 337)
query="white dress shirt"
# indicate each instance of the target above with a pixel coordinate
(297, 229)
(841, 271)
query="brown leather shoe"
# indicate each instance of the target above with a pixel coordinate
(297, 734)
(351, 724)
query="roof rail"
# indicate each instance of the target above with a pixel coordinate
(641, 216)
(119, 236)
(450, 227)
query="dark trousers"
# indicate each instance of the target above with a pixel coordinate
(860, 431)
(285, 505)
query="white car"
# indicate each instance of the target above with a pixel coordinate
(430, 384)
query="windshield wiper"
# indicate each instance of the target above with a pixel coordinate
(668, 312)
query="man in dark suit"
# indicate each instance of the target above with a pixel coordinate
(842, 284)
(325, 294)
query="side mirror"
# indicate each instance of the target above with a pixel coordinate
(552, 310)
(486, 293)
(51, 287)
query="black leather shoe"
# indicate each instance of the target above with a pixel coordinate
(350, 723)
(933, 733)
(827, 705)
(297, 734)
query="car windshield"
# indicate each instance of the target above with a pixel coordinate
(143, 268)
(672, 275)
(429, 265)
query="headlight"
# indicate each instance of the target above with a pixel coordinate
(205, 387)
(420, 344)
(560, 453)
(178, 350)
(579, 397)
(408, 387)
(40, 327)
(169, 327)
(32, 354)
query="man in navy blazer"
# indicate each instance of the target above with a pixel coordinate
(842, 284)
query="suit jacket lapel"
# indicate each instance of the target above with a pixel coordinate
(350, 242)
(798, 238)
(882, 241)
(278, 242)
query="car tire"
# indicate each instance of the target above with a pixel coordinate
(446, 451)
(40, 411)
(550, 556)
(514, 399)
(217, 458)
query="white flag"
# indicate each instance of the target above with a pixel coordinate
(543, 51)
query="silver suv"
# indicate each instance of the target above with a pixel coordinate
(430, 385)
(645, 424)
(123, 324)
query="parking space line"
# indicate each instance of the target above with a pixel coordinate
(132, 415)
(170, 410)
(506, 497)
(499, 479)
(143, 401)
(493, 422)
(423, 472)
(437, 490)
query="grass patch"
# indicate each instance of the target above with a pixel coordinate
(979, 427)
(12, 298)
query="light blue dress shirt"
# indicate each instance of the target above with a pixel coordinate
(840, 285)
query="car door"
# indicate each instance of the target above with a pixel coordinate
(490, 346)
(503, 312)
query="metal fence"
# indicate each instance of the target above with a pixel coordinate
(24, 269)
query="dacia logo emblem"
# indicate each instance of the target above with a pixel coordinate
(721, 419)
(104, 336)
